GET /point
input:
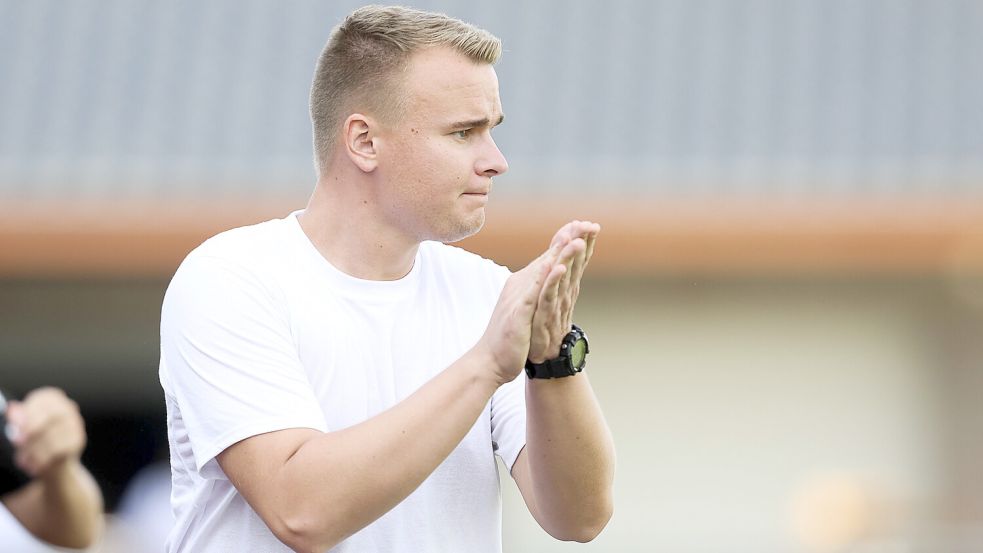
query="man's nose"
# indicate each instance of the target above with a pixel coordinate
(493, 162)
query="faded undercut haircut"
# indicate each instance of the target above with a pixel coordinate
(360, 66)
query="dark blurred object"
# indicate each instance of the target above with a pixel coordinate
(11, 477)
(121, 442)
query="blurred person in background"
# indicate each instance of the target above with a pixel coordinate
(47, 496)
(142, 519)
(340, 378)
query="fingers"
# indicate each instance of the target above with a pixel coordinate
(563, 265)
(588, 232)
(544, 317)
(551, 319)
(60, 441)
(573, 244)
(591, 238)
(552, 252)
(47, 428)
(571, 231)
(526, 285)
(35, 414)
(35, 456)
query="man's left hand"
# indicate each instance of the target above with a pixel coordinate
(554, 311)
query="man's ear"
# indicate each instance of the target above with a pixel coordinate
(360, 141)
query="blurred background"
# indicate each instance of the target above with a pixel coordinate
(785, 306)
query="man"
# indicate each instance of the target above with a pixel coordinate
(340, 379)
(46, 495)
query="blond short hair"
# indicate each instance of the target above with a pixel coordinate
(365, 55)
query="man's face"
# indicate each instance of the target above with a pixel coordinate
(437, 161)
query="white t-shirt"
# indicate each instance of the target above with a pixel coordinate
(260, 333)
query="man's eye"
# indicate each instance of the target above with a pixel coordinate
(462, 134)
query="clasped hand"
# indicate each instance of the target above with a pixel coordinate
(535, 309)
(46, 430)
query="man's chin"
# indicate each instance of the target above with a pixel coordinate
(466, 229)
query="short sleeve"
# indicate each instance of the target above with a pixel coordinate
(508, 404)
(508, 419)
(228, 360)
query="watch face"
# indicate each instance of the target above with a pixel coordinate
(578, 354)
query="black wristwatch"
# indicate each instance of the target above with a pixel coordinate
(572, 359)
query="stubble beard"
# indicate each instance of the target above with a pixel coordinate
(464, 228)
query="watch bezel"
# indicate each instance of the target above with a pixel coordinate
(562, 365)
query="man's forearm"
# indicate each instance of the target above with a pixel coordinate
(73, 504)
(569, 457)
(63, 508)
(336, 483)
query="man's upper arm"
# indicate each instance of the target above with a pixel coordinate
(228, 358)
(254, 464)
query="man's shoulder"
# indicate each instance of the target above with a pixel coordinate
(244, 243)
(249, 253)
(238, 269)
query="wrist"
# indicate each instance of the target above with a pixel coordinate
(61, 470)
(487, 366)
(571, 360)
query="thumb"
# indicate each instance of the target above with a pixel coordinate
(531, 287)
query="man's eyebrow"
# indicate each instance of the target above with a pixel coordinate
(483, 122)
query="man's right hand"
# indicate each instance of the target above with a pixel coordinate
(509, 332)
(48, 431)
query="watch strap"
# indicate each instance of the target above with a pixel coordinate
(562, 365)
(551, 368)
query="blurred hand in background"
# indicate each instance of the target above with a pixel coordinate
(61, 504)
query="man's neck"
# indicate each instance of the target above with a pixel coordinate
(349, 234)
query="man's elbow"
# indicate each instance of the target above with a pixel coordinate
(304, 533)
(586, 530)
